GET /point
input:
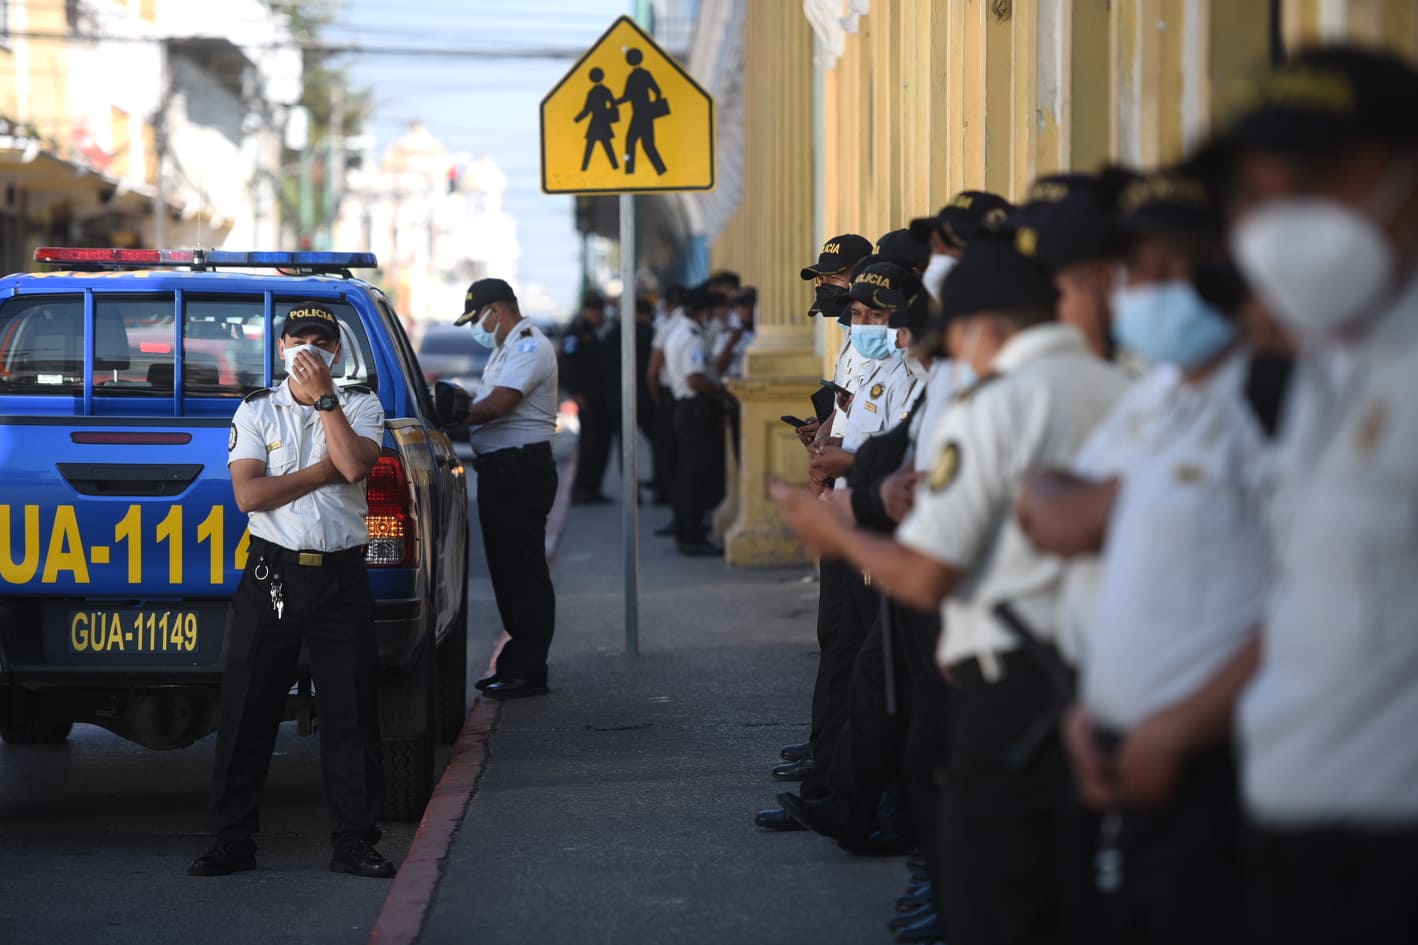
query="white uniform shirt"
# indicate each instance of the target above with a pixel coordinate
(688, 353)
(664, 331)
(1051, 392)
(288, 436)
(888, 390)
(1329, 725)
(941, 389)
(735, 366)
(1184, 567)
(851, 369)
(525, 361)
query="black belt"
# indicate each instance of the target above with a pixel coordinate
(308, 559)
(511, 457)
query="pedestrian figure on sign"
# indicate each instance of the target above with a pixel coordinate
(601, 109)
(644, 109)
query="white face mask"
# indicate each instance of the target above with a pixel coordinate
(291, 350)
(937, 269)
(1319, 265)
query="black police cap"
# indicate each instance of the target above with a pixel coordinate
(901, 247)
(914, 315)
(993, 276)
(702, 298)
(304, 316)
(1319, 102)
(481, 294)
(838, 254)
(884, 286)
(1065, 219)
(748, 295)
(967, 216)
(1168, 203)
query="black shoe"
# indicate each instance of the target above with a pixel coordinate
(818, 816)
(886, 843)
(796, 770)
(915, 896)
(897, 923)
(796, 752)
(223, 858)
(589, 498)
(361, 859)
(700, 550)
(928, 929)
(665, 531)
(514, 688)
(486, 681)
(775, 818)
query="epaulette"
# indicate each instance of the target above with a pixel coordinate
(356, 389)
(526, 332)
(258, 394)
(964, 395)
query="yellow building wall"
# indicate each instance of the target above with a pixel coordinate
(935, 96)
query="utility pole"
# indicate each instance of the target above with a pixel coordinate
(334, 166)
(160, 131)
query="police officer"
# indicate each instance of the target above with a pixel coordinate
(961, 547)
(591, 353)
(968, 215)
(1322, 168)
(513, 420)
(700, 400)
(831, 276)
(298, 456)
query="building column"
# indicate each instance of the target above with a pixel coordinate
(769, 239)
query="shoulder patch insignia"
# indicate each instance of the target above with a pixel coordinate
(570, 345)
(947, 464)
(877, 390)
(231, 439)
(527, 347)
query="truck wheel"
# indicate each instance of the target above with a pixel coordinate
(452, 672)
(408, 702)
(29, 722)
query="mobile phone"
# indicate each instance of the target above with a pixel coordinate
(836, 388)
(794, 421)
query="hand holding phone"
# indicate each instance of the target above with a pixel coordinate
(836, 388)
(794, 422)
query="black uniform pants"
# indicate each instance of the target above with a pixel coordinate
(699, 440)
(842, 629)
(516, 489)
(330, 608)
(1179, 856)
(998, 833)
(593, 448)
(663, 434)
(1307, 886)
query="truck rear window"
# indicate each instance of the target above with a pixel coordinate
(223, 343)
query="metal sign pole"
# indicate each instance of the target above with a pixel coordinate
(629, 432)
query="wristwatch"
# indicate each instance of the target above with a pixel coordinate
(327, 402)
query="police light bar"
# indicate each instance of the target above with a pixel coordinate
(320, 261)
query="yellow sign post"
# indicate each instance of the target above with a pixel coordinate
(627, 119)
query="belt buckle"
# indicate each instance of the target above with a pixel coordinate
(312, 559)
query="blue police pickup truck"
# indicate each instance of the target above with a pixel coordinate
(120, 542)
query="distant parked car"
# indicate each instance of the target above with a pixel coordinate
(449, 353)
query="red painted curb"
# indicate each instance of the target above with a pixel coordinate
(406, 907)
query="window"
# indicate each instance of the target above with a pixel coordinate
(42, 345)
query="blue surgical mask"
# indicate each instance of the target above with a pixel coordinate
(873, 342)
(482, 336)
(1168, 323)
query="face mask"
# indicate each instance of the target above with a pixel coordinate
(828, 300)
(962, 375)
(936, 271)
(873, 342)
(1168, 323)
(292, 350)
(1319, 265)
(482, 336)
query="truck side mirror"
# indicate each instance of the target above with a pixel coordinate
(451, 403)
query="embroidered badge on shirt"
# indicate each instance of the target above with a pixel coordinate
(877, 390)
(1189, 473)
(947, 464)
(272, 447)
(871, 407)
(231, 439)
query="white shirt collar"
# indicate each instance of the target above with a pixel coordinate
(1038, 341)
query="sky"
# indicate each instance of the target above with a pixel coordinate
(482, 105)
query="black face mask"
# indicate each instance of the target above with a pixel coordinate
(828, 300)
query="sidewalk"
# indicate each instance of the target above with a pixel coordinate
(618, 809)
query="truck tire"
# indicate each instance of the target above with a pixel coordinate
(452, 672)
(29, 721)
(408, 755)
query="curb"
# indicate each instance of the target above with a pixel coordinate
(402, 916)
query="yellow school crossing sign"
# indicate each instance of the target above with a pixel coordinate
(626, 119)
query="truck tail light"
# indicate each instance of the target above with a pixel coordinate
(393, 533)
